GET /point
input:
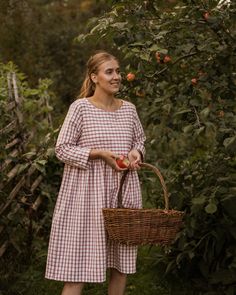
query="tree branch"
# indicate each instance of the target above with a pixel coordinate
(198, 120)
(175, 62)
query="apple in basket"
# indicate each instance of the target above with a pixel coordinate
(123, 162)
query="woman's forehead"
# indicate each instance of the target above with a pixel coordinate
(110, 64)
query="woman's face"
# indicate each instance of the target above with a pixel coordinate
(108, 78)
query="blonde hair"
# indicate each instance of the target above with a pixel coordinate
(93, 64)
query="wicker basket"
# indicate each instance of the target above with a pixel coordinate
(143, 226)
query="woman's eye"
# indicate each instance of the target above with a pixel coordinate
(110, 72)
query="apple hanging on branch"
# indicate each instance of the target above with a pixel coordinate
(123, 162)
(206, 15)
(162, 58)
(130, 77)
(167, 59)
(194, 81)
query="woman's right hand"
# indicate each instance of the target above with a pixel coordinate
(108, 156)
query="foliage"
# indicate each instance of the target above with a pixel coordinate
(186, 104)
(29, 178)
(183, 58)
(38, 37)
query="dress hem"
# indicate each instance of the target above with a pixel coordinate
(74, 281)
(87, 280)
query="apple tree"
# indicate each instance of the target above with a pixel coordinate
(178, 61)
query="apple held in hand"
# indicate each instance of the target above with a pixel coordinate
(123, 162)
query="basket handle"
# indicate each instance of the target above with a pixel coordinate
(157, 172)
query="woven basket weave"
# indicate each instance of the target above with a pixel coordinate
(143, 226)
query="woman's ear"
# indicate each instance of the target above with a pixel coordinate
(94, 78)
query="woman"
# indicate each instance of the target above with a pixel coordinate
(97, 129)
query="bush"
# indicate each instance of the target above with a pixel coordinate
(29, 177)
(182, 54)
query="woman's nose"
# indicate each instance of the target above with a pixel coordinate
(116, 76)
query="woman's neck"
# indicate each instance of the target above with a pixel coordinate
(105, 102)
(105, 99)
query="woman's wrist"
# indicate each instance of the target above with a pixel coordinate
(141, 154)
(95, 154)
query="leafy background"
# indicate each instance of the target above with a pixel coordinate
(186, 103)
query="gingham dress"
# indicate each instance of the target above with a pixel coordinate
(79, 250)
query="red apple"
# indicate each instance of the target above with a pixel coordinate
(206, 15)
(130, 77)
(194, 81)
(140, 93)
(158, 57)
(221, 114)
(167, 58)
(123, 162)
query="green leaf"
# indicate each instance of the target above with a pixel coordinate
(188, 128)
(42, 162)
(170, 267)
(199, 201)
(187, 47)
(200, 130)
(182, 112)
(155, 47)
(204, 113)
(22, 167)
(229, 205)
(136, 44)
(119, 25)
(145, 56)
(39, 167)
(47, 109)
(136, 50)
(29, 155)
(164, 51)
(81, 38)
(50, 152)
(29, 92)
(167, 107)
(211, 208)
(229, 142)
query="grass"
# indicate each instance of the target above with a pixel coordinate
(32, 281)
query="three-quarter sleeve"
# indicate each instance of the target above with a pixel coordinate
(138, 135)
(67, 147)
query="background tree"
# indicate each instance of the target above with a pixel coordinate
(182, 57)
(38, 36)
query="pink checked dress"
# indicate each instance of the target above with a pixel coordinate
(79, 250)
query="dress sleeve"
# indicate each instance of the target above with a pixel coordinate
(138, 135)
(67, 146)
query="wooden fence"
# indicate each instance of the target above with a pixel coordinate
(19, 176)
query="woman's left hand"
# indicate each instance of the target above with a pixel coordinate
(135, 159)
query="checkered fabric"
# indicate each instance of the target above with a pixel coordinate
(79, 250)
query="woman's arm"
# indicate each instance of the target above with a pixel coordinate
(137, 153)
(67, 149)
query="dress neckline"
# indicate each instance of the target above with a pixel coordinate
(118, 109)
